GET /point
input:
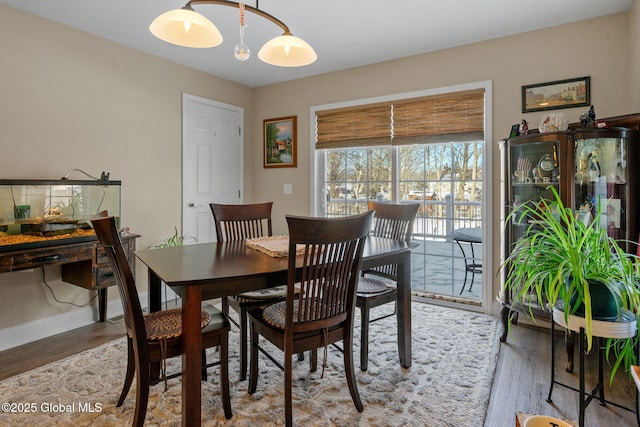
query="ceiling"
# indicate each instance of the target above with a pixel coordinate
(344, 33)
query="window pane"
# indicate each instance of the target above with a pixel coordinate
(354, 176)
(379, 174)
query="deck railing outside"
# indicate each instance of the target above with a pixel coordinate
(437, 263)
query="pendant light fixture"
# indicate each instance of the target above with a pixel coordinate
(186, 27)
(241, 51)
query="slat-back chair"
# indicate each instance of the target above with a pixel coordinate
(241, 222)
(393, 221)
(153, 338)
(320, 305)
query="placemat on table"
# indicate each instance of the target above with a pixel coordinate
(275, 246)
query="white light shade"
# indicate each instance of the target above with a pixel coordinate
(287, 51)
(187, 28)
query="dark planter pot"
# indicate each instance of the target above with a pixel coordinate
(604, 304)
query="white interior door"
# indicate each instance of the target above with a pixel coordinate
(211, 162)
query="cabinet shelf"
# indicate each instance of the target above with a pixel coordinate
(536, 184)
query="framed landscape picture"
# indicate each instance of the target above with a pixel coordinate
(557, 94)
(280, 142)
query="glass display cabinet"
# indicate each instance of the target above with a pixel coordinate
(590, 170)
(535, 163)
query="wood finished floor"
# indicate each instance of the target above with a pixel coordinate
(521, 382)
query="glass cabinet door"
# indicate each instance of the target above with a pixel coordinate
(601, 161)
(535, 166)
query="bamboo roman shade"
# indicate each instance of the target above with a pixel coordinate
(356, 127)
(452, 117)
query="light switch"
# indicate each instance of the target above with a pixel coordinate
(287, 188)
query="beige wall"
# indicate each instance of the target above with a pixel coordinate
(597, 48)
(71, 100)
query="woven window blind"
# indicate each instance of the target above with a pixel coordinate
(455, 117)
(452, 117)
(357, 127)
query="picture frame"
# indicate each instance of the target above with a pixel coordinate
(557, 94)
(280, 145)
(515, 131)
(610, 217)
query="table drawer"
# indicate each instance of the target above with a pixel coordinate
(102, 259)
(43, 257)
(105, 277)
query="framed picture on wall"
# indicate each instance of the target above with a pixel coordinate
(557, 94)
(280, 142)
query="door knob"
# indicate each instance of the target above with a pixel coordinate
(193, 205)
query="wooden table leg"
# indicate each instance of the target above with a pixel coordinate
(404, 310)
(155, 304)
(191, 357)
(155, 292)
(102, 304)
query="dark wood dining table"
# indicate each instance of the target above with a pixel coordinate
(205, 271)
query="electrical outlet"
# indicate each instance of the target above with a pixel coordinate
(287, 188)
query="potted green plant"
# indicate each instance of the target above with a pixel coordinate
(563, 258)
(175, 240)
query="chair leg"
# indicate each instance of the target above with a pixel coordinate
(253, 372)
(243, 343)
(224, 375)
(288, 385)
(204, 365)
(350, 372)
(154, 373)
(131, 370)
(142, 390)
(225, 306)
(313, 360)
(364, 338)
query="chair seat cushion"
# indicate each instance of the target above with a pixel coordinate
(275, 314)
(262, 294)
(168, 323)
(367, 285)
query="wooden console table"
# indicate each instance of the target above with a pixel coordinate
(83, 263)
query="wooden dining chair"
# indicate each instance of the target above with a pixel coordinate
(394, 222)
(241, 222)
(320, 304)
(153, 338)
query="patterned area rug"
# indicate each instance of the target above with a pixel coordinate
(448, 384)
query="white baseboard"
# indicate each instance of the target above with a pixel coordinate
(53, 325)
